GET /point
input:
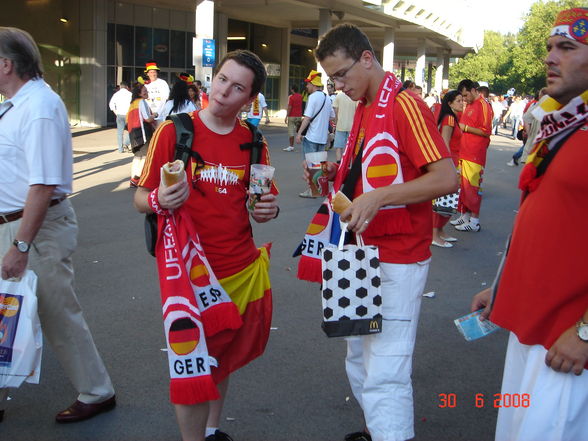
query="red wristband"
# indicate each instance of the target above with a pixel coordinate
(153, 201)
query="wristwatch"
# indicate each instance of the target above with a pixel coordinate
(582, 330)
(21, 245)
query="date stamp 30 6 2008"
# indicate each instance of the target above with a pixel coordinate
(450, 400)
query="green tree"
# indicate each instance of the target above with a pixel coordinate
(528, 70)
(486, 65)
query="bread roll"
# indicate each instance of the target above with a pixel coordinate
(340, 202)
(173, 172)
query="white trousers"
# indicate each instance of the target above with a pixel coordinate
(379, 366)
(558, 402)
(62, 320)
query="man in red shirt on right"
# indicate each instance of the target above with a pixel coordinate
(541, 295)
(293, 115)
(476, 126)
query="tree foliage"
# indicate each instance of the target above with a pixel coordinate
(514, 60)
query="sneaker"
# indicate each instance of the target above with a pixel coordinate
(511, 163)
(468, 227)
(460, 220)
(358, 436)
(218, 436)
(289, 149)
(307, 194)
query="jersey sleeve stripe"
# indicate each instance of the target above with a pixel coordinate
(419, 126)
(151, 152)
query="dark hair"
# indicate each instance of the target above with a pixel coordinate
(484, 91)
(20, 48)
(196, 90)
(124, 84)
(136, 92)
(179, 95)
(445, 107)
(467, 85)
(346, 38)
(294, 87)
(408, 84)
(251, 61)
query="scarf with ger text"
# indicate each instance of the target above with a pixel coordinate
(380, 167)
(195, 306)
(557, 122)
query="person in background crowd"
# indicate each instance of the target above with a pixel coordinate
(418, 90)
(476, 126)
(317, 115)
(179, 100)
(485, 92)
(293, 115)
(203, 97)
(541, 293)
(157, 90)
(447, 121)
(515, 113)
(257, 109)
(390, 212)
(38, 226)
(119, 104)
(194, 95)
(344, 108)
(497, 109)
(140, 123)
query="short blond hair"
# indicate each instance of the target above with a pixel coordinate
(19, 47)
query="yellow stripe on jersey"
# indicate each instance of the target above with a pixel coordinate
(379, 171)
(451, 121)
(151, 152)
(419, 127)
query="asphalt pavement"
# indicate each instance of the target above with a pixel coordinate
(298, 390)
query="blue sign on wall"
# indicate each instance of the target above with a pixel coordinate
(208, 53)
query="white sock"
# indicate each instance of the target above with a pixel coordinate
(210, 431)
(474, 220)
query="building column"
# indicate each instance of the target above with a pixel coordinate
(419, 71)
(388, 53)
(325, 24)
(429, 78)
(285, 69)
(204, 29)
(445, 84)
(93, 106)
(221, 33)
(439, 75)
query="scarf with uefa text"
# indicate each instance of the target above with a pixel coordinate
(380, 167)
(557, 122)
(195, 306)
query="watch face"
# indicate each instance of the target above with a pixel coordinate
(583, 332)
(23, 247)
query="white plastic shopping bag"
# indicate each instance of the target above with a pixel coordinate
(21, 339)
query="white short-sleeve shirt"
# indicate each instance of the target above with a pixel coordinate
(318, 131)
(35, 145)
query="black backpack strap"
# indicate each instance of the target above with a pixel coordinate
(256, 144)
(184, 136)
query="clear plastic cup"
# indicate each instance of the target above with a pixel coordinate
(260, 182)
(315, 161)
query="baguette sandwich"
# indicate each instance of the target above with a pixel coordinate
(340, 202)
(172, 172)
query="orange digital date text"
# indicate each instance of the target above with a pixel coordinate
(450, 400)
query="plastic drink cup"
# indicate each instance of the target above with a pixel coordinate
(260, 182)
(314, 161)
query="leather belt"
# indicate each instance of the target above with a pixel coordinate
(16, 215)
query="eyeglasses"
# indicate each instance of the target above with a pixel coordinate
(342, 74)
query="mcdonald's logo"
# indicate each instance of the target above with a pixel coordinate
(374, 326)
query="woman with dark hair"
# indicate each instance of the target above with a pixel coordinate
(451, 106)
(140, 125)
(194, 95)
(179, 101)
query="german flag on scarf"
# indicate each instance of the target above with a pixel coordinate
(195, 307)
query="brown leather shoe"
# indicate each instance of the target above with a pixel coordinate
(79, 411)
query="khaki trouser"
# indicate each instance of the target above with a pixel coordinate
(61, 316)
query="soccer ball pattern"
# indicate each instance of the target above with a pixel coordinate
(351, 283)
(447, 203)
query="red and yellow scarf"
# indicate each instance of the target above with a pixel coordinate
(556, 122)
(195, 306)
